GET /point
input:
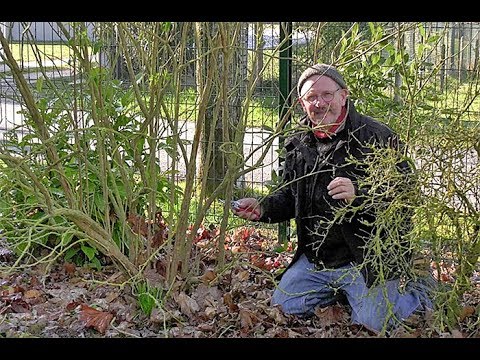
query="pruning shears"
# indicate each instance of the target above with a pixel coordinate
(234, 204)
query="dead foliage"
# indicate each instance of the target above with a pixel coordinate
(73, 301)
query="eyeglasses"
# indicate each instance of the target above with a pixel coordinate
(327, 96)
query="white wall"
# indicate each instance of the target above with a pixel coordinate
(3, 28)
(40, 31)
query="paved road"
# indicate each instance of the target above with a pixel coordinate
(10, 117)
(254, 138)
(253, 141)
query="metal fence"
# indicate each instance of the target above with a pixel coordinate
(301, 45)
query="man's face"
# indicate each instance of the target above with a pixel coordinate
(322, 100)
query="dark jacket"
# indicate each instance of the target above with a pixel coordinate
(310, 164)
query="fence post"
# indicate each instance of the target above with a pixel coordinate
(284, 103)
(397, 97)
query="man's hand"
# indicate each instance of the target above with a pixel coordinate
(248, 208)
(341, 188)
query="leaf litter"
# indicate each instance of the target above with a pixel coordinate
(71, 301)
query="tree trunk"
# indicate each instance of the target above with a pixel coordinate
(224, 107)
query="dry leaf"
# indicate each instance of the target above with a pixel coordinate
(157, 239)
(246, 321)
(31, 294)
(210, 312)
(160, 316)
(20, 306)
(188, 306)
(466, 312)
(161, 267)
(206, 327)
(330, 315)
(414, 334)
(235, 249)
(138, 224)
(99, 320)
(457, 334)
(118, 276)
(243, 275)
(206, 295)
(228, 300)
(69, 268)
(34, 281)
(112, 295)
(258, 261)
(208, 276)
(7, 291)
(72, 305)
(276, 314)
(280, 333)
(154, 279)
(293, 334)
(6, 255)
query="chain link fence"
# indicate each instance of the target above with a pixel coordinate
(299, 45)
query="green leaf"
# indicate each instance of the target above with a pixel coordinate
(99, 201)
(95, 263)
(121, 121)
(420, 50)
(139, 145)
(167, 26)
(66, 238)
(97, 46)
(70, 253)
(39, 83)
(5, 205)
(433, 38)
(89, 252)
(267, 128)
(121, 189)
(139, 77)
(421, 29)
(372, 28)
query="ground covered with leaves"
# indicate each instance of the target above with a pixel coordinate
(64, 300)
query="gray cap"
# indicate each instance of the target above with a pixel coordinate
(321, 69)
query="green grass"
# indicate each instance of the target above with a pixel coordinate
(50, 51)
(215, 212)
(262, 111)
(148, 297)
(270, 63)
(32, 70)
(454, 97)
(458, 97)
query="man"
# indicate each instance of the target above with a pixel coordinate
(320, 180)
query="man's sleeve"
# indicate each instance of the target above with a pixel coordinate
(374, 201)
(279, 205)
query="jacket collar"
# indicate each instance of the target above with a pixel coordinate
(337, 127)
(307, 135)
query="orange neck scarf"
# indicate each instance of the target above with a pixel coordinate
(324, 134)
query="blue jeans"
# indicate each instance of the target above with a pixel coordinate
(303, 288)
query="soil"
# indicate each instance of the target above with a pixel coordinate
(62, 300)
